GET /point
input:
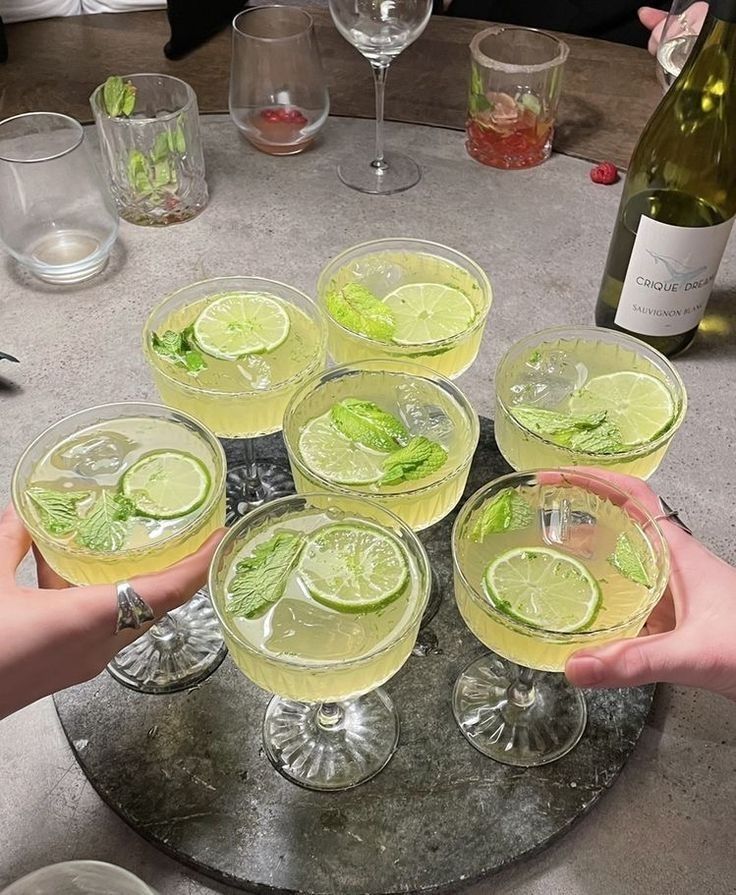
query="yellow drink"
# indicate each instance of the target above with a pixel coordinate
(382, 266)
(548, 371)
(577, 522)
(242, 397)
(301, 649)
(427, 405)
(87, 456)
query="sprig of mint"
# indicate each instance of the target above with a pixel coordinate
(630, 562)
(260, 579)
(359, 310)
(478, 101)
(118, 97)
(57, 510)
(506, 511)
(592, 433)
(366, 423)
(420, 458)
(180, 349)
(103, 529)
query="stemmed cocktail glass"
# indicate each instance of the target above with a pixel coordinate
(380, 31)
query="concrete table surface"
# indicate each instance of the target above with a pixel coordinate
(667, 825)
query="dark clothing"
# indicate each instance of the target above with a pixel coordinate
(611, 20)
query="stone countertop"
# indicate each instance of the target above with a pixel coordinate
(666, 827)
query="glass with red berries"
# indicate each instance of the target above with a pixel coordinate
(515, 84)
(278, 91)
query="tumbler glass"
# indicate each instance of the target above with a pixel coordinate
(79, 878)
(278, 91)
(56, 215)
(153, 157)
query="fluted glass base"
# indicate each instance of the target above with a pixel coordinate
(245, 492)
(542, 726)
(331, 746)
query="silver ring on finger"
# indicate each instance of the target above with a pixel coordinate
(133, 611)
(672, 515)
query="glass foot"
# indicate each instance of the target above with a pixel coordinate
(245, 493)
(545, 729)
(331, 746)
(400, 173)
(181, 650)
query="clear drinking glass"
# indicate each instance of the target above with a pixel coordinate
(380, 31)
(79, 878)
(153, 158)
(185, 646)
(681, 30)
(56, 215)
(515, 84)
(278, 91)
(330, 725)
(554, 559)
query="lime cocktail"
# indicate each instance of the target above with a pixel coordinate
(231, 351)
(372, 429)
(405, 300)
(546, 563)
(123, 490)
(587, 396)
(320, 600)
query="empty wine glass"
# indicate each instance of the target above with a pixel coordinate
(380, 30)
(678, 37)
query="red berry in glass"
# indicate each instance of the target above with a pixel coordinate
(506, 131)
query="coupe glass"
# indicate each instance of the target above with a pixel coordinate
(251, 402)
(185, 646)
(278, 91)
(79, 878)
(57, 217)
(503, 705)
(329, 726)
(380, 31)
(678, 37)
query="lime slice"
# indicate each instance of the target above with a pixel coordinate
(241, 323)
(166, 484)
(353, 568)
(543, 588)
(640, 405)
(330, 455)
(428, 312)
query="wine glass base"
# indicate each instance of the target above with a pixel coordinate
(324, 758)
(400, 173)
(179, 659)
(524, 737)
(274, 480)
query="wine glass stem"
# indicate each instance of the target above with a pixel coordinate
(521, 691)
(165, 630)
(253, 489)
(330, 715)
(380, 72)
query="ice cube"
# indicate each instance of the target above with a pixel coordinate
(381, 277)
(420, 415)
(548, 380)
(306, 630)
(575, 530)
(256, 371)
(100, 454)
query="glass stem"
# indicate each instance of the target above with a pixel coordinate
(521, 692)
(380, 72)
(330, 715)
(165, 630)
(253, 490)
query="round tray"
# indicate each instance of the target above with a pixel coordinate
(188, 771)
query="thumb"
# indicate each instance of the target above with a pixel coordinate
(650, 17)
(627, 663)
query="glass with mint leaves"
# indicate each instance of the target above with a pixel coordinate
(122, 490)
(320, 599)
(546, 563)
(586, 396)
(148, 126)
(406, 300)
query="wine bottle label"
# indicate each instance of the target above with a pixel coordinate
(670, 277)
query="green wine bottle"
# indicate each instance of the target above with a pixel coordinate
(679, 199)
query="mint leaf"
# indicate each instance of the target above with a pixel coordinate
(178, 142)
(118, 97)
(260, 579)
(478, 103)
(366, 423)
(179, 348)
(420, 458)
(630, 562)
(606, 439)
(357, 309)
(552, 423)
(103, 529)
(506, 511)
(57, 510)
(139, 174)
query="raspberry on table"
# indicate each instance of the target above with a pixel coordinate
(605, 173)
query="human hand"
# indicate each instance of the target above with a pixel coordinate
(654, 20)
(690, 636)
(55, 635)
